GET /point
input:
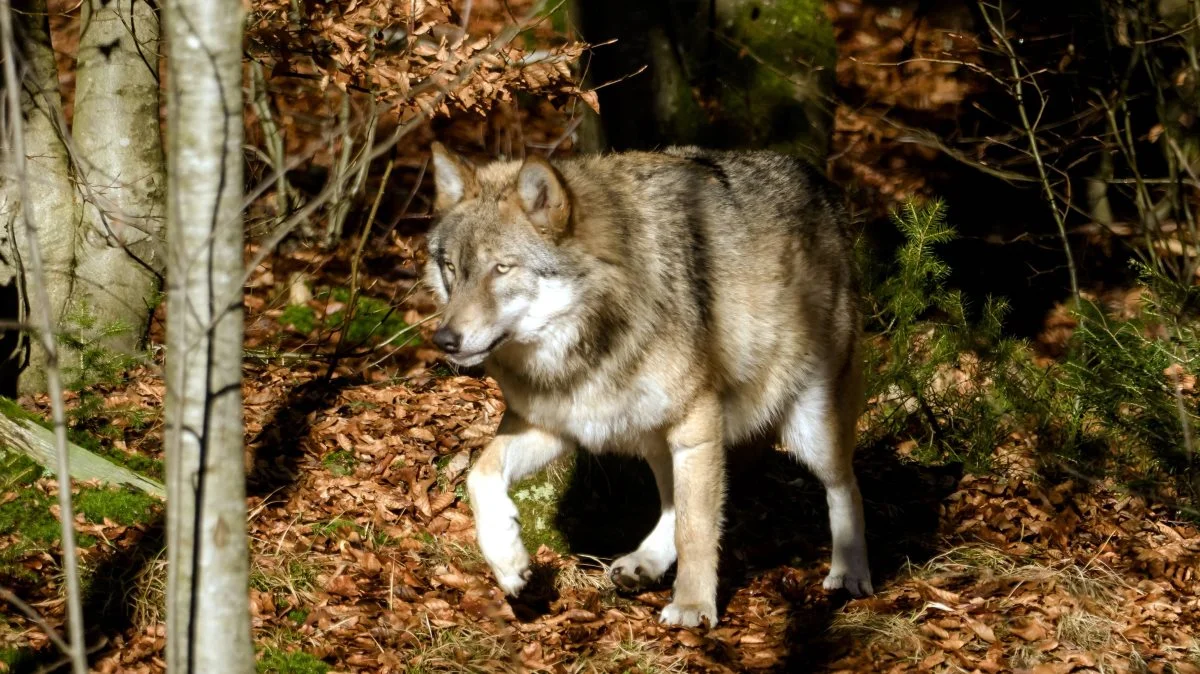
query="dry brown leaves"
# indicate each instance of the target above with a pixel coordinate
(894, 72)
(364, 557)
(412, 54)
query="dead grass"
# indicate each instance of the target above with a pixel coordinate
(586, 573)
(1086, 631)
(632, 656)
(439, 552)
(463, 647)
(285, 573)
(150, 592)
(965, 560)
(892, 631)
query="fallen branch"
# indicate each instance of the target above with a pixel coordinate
(29, 439)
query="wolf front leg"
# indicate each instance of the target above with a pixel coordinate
(518, 449)
(698, 466)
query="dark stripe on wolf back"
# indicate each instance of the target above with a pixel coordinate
(699, 270)
(712, 167)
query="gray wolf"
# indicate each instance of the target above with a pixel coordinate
(668, 305)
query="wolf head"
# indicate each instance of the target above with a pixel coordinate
(494, 261)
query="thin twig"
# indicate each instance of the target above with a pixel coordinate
(36, 618)
(16, 157)
(1031, 133)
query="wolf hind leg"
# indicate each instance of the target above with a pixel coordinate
(518, 449)
(646, 565)
(819, 432)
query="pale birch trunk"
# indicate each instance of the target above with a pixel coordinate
(208, 615)
(119, 161)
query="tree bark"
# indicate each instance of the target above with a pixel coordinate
(208, 615)
(119, 159)
(99, 191)
(54, 202)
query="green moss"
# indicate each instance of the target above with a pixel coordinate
(340, 462)
(27, 518)
(300, 317)
(93, 416)
(10, 408)
(297, 616)
(538, 498)
(17, 659)
(138, 463)
(335, 526)
(26, 522)
(123, 506)
(775, 72)
(276, 661)
(372, 320)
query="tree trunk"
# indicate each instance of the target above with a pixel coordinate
(208, 615)
(99, 195)
(54, 201)
(727, 73)
(120, 165)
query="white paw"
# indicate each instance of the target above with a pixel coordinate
(509, 561)
(638, 570)
(512, 583)
(689, 614)
(857, 584)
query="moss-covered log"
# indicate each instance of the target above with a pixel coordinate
(27, 437)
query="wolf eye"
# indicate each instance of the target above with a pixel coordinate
(503, 268)
(450, 267)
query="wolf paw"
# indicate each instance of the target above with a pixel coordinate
(689, 614)
(513, 583)
(637, 570)
(858, 585)
(508, 558)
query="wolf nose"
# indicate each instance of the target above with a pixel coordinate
(447, 340)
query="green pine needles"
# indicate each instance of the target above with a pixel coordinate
(1121, 407)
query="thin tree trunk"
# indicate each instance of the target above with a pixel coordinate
(208, 616)
(119, 161)
(19, 170)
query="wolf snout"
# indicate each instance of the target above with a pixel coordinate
(448, 339)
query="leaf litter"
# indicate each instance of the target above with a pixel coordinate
(367, 561)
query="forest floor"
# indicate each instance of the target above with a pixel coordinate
(363, 553)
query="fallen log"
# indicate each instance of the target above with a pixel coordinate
(29, 439)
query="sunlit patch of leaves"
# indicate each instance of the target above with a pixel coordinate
(399, 49)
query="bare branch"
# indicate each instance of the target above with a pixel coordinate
(37, 283)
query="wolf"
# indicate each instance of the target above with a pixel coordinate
(668, 305)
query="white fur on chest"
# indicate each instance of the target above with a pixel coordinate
(597, 416)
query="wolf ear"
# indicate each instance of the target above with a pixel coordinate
(544, 197)
(453, 178)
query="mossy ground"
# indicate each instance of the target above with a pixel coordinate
(276, 661)
(29, 529)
